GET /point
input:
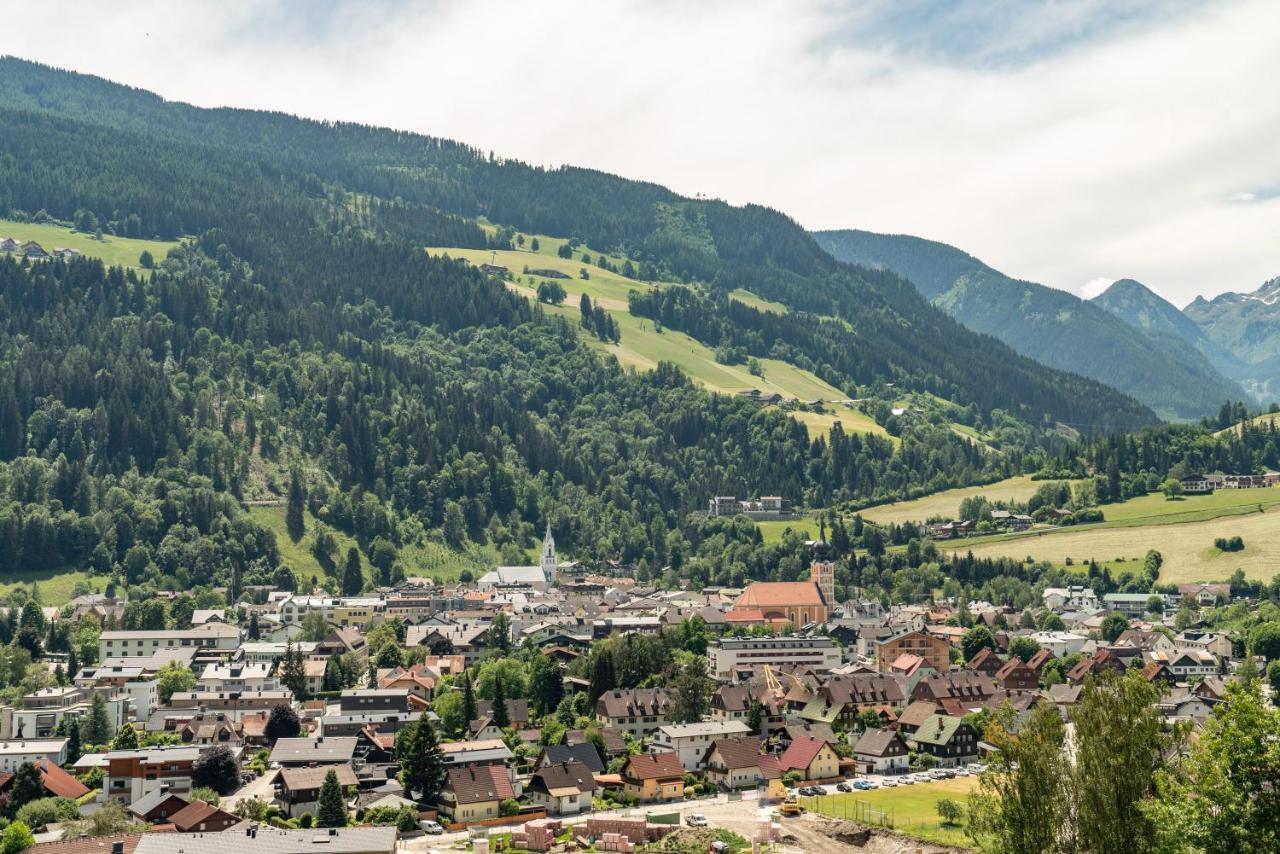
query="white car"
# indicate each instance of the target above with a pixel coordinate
(888, 782)
(962, 772)
(907, 780)
(695, 819)
(432, 827)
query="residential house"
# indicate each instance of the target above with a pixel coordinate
(734, 702)
(157, 807)
(201, 817)
(475, 793)
(140, 643)
(934, 650)
(986, 662)
(842, 698)
(1017, 675)
(634, 711)
(133, 774)
(300, 787)
(691, 741)
(302, 752)
(1186, 664)
(565, 788)
(1213, 642)
(738, 763)
(653, 777)
(812, 757)
(15, 753)
(581, 754)
(1061, 644)
(261, 839)
(57, 783)
(881, 751)
(730, 656)
(948, 739)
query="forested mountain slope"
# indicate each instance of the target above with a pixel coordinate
(883, 331)
(1049, 325)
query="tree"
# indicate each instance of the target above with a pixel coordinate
(469, 712)
(74, 746)
(421, 761)
(1051, 622)
(28, 786)
(501, 716)
(499, 633)
(15, 838)
(352, 576)
(146, 260)
(950, 811)
(97, 728)
(1155, 604)
(1113, 626)
(255, 631)
(1021, 806)
(295, 508)
(217, 769)
(602, 676)
(1273, 680)
(126, 738)
(331, 806)
(546, 685)
(1264, 640)
(283, 723)
(172, 678)
(181, 610)
(755, 717)
(551, 292)
(1119, 747)
(1023, 647)
(1172, 488)
(1223, 797)
(293, 671)
(315, 627)
(976, 639)
(691, 693)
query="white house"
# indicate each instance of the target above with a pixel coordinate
(1061, 644)
(16, 752)
(237, 676)
(691, 741)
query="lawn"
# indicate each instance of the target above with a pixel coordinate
(947, 503)
(643, 346)
(757, 302)
(1187, 546)
(772, 530)
(910, 810)
(57, 586)
(123, 251)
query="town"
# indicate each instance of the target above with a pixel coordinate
(441, 712)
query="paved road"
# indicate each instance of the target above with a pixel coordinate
(260, 788)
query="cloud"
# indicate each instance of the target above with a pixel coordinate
(1244, 197)
(1050, 140)
(1093, 287)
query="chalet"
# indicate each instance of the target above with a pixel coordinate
(33, 250)
(844, 697)
(300, 787)
(738, 763)
(935, 651)
(653, 777)
(581, 754)
(211, 728)
(475, 793)
(564, 788)
(734, 702)
(1196, 484)
(303, 752)
(1186, 664)
(494, 270)
(915, 714)
(948, 739)
(156, 807)
(964, 686)
(881, 751)
(201, 817)
(1016, 675)
(985, 662)
(635, 711)
(691, 741)
(8, 244)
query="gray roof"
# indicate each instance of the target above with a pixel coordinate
(319, 750)
(269, 840)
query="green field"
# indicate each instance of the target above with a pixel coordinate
(772, 530)
(913, 810)
(57, 586)
(123, 251)
(1187, 546)
(757, 302)
(947, 503)
(1258, 422)
(643, 346)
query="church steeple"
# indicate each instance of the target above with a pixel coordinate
(549, 562)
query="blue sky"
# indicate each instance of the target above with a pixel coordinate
(1066, 143)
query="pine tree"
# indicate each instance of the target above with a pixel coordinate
(293, 672)
(602, 678)
(755, 717)
(73, 740)
(352, 577)
(468, 699)
(501, 718)
(126, 738)
(255, 631)
(294, 518)
(28, 786)
(418, 751)
(331, 806)
(98, 728)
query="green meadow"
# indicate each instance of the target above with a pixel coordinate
(121, 251)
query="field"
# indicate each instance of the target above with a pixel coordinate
(947, 503)
(1187, 546)
(757, 302)
(1258, 422)
(57, 586)
(772, 530)
(643, 346)
(123, 251)
(912, 809)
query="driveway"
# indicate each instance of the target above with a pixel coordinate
(261, 788)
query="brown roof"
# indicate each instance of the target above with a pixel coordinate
(738, 752)
(633, 702)
(880, 742)
(56, 781)
(779, 594)
(801, 753)
(304, 779)
(193, 814)
(88, 844)
(565, 775)
(480, 783)
(863, 688)
(653, 766)
(917, 713)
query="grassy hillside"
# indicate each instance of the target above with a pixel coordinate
(1257, 422)
(747, 298)
(122, 251)
(643, 345)
(57, 586)
(948, 503)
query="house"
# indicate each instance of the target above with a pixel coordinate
(1061, 644)
(133, 774)
(1203, 594)
(201, 817)
(33, 250)
(475, 793)
(842, 698)
(729, 656)
(812, 757)
(634, 711)
(15, 753)
(934, 650)
(582, 754)
(1216, 643)
(8, 244)
(237, 677)
(157, 807)
(653, 777)
(915, 714)
(947, 738)
(1017, 675)
(1073, 598)
(321, 750)
(738, 763)
(985, 662)
(881, 751)
(734, 702)
(961, 686)
(57, 783)
(211, 728)
(38, 714)
(517, 712)
(300, 787)
(1186, 664)
(690, 742)
(615, 744)
(564, 788)
(1196, 484)
(143, 643)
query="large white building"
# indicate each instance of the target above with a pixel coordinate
(691, 741)
(37, 715)
(731, 655)
(541, 577)
(126, 643)
(237, 676)
(14, 753)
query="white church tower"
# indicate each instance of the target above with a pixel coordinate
(549, 563)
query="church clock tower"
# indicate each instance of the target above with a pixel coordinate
(549, 562)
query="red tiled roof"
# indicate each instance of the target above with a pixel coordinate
(190, 817)
(480, 783)
(653, 766)
(88, 844)
(780, 594)
(58, 782)
(801, 753)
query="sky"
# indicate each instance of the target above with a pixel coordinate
(1068, 143)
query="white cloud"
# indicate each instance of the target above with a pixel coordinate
(1093, 287)
(1244, 197)
(1120, 151)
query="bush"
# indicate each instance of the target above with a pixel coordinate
(509, 806)
(1232, 544)
(44, 811)
(950, 810)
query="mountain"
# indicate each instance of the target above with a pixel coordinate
(866, 327)
(1247, 326)
(1049, 325)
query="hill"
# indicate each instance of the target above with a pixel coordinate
(1248, 327)
(1046, 324)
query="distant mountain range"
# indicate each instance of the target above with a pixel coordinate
(1247, 327)
(1126, 341)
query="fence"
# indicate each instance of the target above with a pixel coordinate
(843, 806)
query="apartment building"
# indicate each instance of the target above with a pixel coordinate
(733, 655)
(137, 643)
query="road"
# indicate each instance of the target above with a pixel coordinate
(261, 788)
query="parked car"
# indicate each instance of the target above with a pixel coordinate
(963, 772)
(695, 819)
(843, 787)
(432, 827)
(862, 785)
(938, 774)
(888, 782)
(907, 780)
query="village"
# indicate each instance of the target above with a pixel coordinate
(799, 695)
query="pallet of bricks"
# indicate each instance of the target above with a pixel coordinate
(538, 835)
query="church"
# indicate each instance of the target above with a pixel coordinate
(797, 602)
(541, 577)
